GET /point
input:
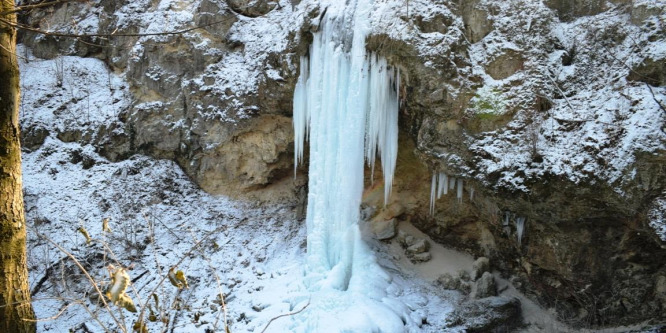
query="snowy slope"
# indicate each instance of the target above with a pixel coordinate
(252, 254)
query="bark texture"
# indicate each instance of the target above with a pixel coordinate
(15, 305)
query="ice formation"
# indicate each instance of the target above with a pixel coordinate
(441, 184)
(460, 189)
(520, 228)
(346, 106)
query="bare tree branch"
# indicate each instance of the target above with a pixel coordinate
(107, 35)
(23, 8)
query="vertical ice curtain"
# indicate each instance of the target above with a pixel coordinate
(346, 107)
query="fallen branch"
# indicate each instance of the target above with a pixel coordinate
(285, 315)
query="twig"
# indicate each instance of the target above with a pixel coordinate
(561, 92)
(164, 276)
(139, 276)
(57, 315)
(92, 281)
(285, 315)
(47, 273)
(221, 293)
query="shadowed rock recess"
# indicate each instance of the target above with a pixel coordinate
(552, 113)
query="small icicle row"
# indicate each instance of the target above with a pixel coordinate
(441, 184)
(519, 223)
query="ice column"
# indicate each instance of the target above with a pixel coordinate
(346, 106)
(520, 228)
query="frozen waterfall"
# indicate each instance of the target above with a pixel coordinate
(346, 107)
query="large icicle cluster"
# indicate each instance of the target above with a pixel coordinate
(346, 106)
(374, 96)
(382, 119)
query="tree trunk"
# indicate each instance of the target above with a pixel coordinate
(15, 304)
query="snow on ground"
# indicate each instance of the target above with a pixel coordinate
(156, 217)
(255, 254)
(69, 93)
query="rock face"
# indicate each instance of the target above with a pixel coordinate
(217, 99)
(492, 314)
(556, 130)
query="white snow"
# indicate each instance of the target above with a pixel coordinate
(69, 93)
(599, 120)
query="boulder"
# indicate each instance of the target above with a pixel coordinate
(419, 246)
(480, 266)
(569, 10)
(492, 314)
(476, 20)
(450, 282)
(485, 286)
(650, 71)
(421, 257)
(382, 229)
(505, 65)
(252, 8)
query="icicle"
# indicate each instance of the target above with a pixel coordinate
(382, 120)
(301, 114)
(433, 185)
(452, 183)
(460, 189)
(442, 184)
(471, 193)
(506, 218)
(520, 228)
